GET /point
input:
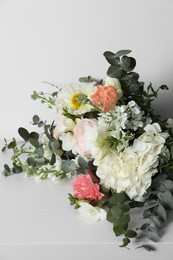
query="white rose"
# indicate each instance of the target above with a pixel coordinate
(91, 214)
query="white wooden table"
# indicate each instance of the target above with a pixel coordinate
(37, 223)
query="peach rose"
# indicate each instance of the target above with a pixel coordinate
(84, 188)
(105, 98)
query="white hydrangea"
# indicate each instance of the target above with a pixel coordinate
(91, 214)
(132, 169)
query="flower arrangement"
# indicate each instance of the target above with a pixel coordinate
(107, 139)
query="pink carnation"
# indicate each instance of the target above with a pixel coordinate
(105, 98)
(84, 188)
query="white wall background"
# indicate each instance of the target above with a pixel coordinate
(60, 40)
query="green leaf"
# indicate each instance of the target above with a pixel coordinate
(118, 229)
(116, 211)
(17, 169)
(125, 62)
(34, 135)
(122, 52)
(7, 168)
(135, 88)
(124, 207)
(4, 148)
(109, 55)
(144, 226)
(168, 185)
(126, 241)
(164, 87)
(124, 220)
(156, 221)
(86, 79)
(53, 159)
(23, 133)
(167, 199)
(117, 198)
(160, 210)
(130, 233)
(158, 180)
(35, 119)
(34, 142)
(54, 145)
(82, 163)
(130, 64)
(31, 161)
(40, 151)
(115, 72)
(11, 145)
(68, 166)
(111, 218)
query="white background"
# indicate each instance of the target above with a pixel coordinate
(61, 40)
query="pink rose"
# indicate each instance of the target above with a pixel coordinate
(84, 188)
(105, 98)
(85, 135)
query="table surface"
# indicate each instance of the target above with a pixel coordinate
(37, 222)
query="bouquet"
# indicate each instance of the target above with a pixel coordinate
(108, 140)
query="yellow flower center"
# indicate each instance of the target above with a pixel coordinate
(75, 101)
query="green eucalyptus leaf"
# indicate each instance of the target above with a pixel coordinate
(82, 163)
(11, 145)
(124, 220)
(40, 151)
(167, 199)
(109, 55)
(54, 145)
(116, 211)
(85, 79)
(23, 133)
(130, 233)
(68, 166)
(115, 72)
(34, 142)
(168, 185)
(160, 210)
(16, 169)
(118, 229)
(34, 135)
(126, 241)
(124, 207)
(156, 221)
(128, 63)
(53, 159)
(117, 198)
(125, 62)
(7, 168)
(122, 52)
(135, 88)
(3, 149)
(111, 218)
(35, 119)
(31, 161)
